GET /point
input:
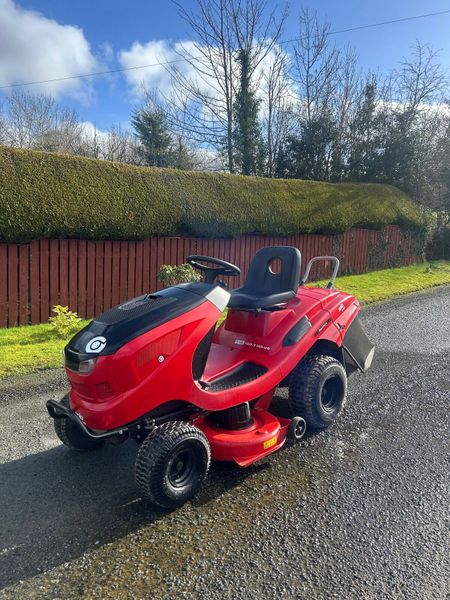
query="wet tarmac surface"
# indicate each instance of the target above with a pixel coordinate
(358, 511)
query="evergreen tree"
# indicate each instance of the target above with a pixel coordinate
(248, 143)
(443, 175)
(365, 137)
(181, 156)
(158, 147)
(398, 158)
(308, 155)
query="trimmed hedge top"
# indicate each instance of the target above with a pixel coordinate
(45, 195)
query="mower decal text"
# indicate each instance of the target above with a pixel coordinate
(96, 345)
(322, 327)
(251, 345)
(270, 443)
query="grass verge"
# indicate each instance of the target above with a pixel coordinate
(35, 347)
(30, 348)
(385, 284)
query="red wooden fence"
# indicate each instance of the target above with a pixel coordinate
(91, 277)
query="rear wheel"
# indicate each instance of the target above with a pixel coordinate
(318, 389)
(172, 463)
(72, 436)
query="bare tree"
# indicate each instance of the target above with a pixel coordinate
(432, 127)
(202, 99)
(115, 146)
(316, 76)
(256, 34)
(3, 129)
(277, 107)
(410, 122)
(36, 121)
(407, 91)
(29, 117)
(343, 106)
(315, 66)
(120, 145)
(420, 78)
(64, 135)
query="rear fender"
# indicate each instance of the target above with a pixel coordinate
(322, 346)
(329, 348)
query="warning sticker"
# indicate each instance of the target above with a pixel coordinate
(270, 443)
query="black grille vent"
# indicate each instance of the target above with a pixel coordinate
(134, 308)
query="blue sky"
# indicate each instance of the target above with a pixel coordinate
(106, 34)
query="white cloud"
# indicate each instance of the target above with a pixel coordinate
(155, 77)
(33, 48)
(91, 131)
(437, 109)
(158, 78)
(107, 51)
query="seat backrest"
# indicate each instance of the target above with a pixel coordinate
(274, 270)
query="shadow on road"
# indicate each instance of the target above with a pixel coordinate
(58, 504)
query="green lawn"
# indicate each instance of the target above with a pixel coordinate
(30, 348)
(381, 285)
(36, 347)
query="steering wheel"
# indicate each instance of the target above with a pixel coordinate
(224, 267)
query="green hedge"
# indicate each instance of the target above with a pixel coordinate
(45, 195)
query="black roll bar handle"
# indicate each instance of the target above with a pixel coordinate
(333, 259)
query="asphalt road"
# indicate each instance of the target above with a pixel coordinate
(358, 511)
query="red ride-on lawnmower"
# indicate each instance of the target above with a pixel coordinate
(157, 369)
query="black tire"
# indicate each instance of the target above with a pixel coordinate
(73, 437)
(172, 463)
(318, 390)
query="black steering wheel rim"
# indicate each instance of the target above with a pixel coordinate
(223, 268)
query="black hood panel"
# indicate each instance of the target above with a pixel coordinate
(114, 328)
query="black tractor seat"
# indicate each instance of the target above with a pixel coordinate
(273, 278)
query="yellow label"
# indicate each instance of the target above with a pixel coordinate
(270, 443)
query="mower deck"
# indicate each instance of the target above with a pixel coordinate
(246, 446)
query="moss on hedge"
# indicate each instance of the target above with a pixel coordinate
(45, 195)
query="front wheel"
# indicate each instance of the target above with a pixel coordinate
(172, 463)
(318, 389)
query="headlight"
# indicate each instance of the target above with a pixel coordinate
(86, 366)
